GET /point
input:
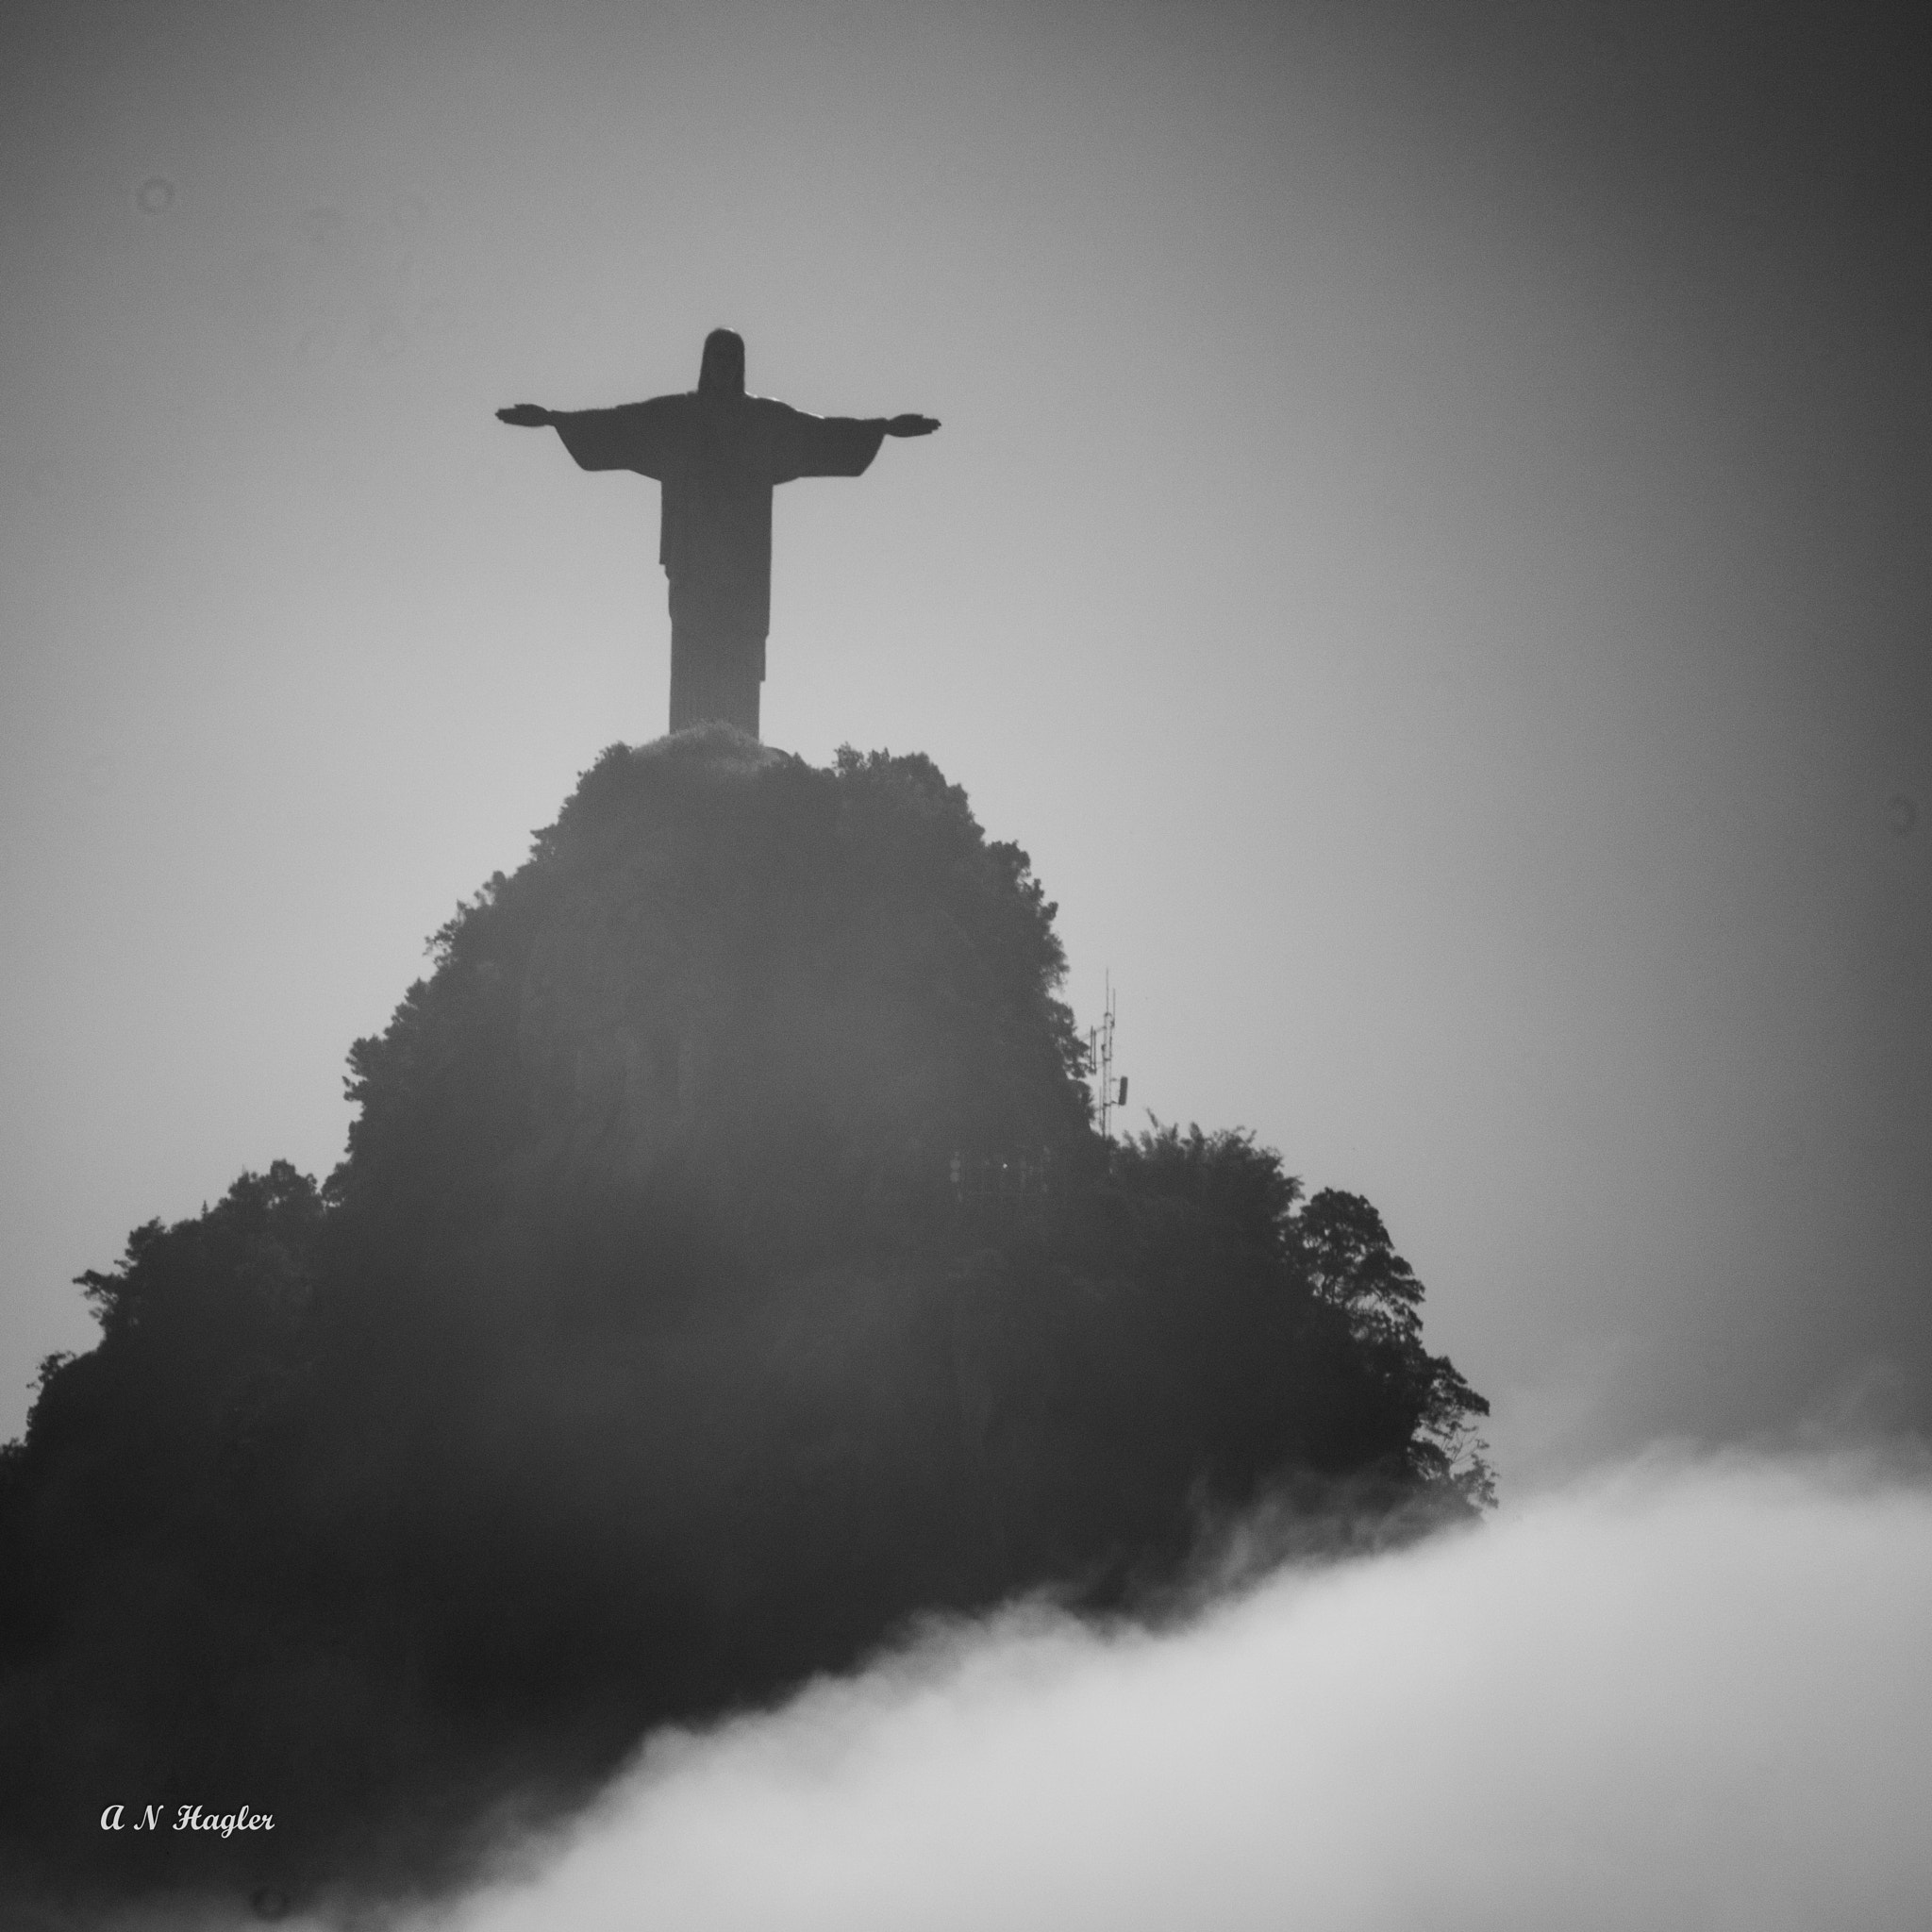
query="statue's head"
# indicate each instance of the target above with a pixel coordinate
(722, 373)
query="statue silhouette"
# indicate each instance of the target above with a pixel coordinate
(718, 453)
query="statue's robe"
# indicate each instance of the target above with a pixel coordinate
(718, 459)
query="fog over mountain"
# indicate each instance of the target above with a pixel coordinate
(1684, 1696)
(1424, 578)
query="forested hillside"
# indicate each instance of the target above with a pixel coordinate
(723, 1273)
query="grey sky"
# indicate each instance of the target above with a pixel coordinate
(1427, 551)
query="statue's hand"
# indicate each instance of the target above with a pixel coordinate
(911, 425)
(525, 416)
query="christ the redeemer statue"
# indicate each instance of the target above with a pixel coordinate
(718, 453)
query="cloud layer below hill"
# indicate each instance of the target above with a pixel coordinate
(1681, 1695)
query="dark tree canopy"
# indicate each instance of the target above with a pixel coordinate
(721, 1273)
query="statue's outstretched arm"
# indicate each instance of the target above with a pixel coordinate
(633, 436)
(911, 425)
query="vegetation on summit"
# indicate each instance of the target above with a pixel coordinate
(722, 1273)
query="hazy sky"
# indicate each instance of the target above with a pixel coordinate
(1427, 550)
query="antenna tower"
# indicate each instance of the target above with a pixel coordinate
(1100, 1061)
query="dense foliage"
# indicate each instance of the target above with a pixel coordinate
(723, 1273)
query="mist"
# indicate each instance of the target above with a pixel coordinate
(1681, 1694)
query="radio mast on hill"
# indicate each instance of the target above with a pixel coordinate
(1100, 1061)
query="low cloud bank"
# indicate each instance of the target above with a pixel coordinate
(1681, 1696)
